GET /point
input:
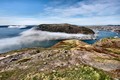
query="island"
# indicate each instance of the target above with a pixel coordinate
(65, 28)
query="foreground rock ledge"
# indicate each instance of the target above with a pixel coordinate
(76, 58)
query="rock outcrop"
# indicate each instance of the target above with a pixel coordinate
(67, 60)
(108, 43)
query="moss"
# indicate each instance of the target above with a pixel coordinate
(68, 46)
(99, 59)
(114, 50)
(23, 60)
(6, 75)
(37, 50)
(75, 73)
(81, 72)
(118, 59)
(104, 59)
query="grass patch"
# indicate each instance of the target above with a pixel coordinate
(6, 75)
(118, 59)
(81, 72)
(78, 73)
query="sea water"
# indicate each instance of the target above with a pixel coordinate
(16, 38)
(103, 34)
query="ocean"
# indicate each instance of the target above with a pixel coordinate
(16, 38)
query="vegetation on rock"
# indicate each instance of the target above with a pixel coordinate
(66, 28)
(67, 60)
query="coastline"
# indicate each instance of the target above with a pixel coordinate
(67, 54)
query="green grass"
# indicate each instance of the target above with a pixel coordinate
(78, 73)
(74, 73)
(6, 75)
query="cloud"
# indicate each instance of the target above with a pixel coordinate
(15, 20)
(100, 20)
(89, 8)
(84, 12)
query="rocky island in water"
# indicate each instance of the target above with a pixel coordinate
(66, 28)
(67, 60)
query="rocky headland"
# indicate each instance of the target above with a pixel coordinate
(67, 60)
(65, 28)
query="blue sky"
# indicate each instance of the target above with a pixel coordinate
(80, 12)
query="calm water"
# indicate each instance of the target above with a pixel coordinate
(10, 32)
(8, 39)
(102, 34)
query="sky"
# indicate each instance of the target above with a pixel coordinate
(80, 12)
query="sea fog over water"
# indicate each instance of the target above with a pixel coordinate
(15, 38)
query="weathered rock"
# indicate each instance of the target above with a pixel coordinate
(64, 55)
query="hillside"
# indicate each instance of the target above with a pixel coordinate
(67, 60)
(66, 28)
(109, 43)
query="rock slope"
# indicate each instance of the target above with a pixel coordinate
(67, 60)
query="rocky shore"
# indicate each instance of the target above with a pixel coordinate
(67, 60)
(118, 31)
